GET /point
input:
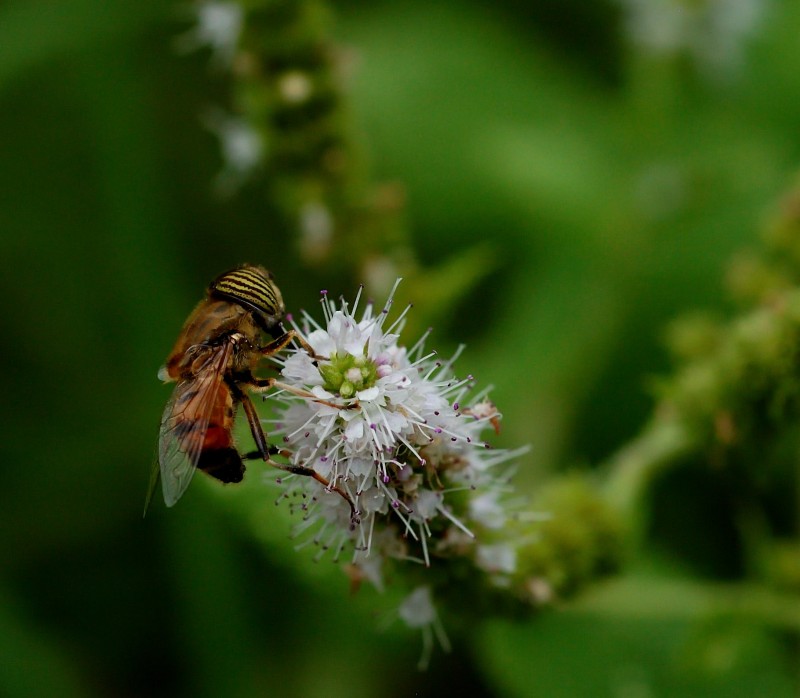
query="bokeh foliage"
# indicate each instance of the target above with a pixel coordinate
(600, 188)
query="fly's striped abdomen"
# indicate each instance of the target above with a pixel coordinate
(251, 286)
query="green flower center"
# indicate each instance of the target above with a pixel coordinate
(347, 374)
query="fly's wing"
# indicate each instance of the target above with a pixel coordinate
(185, 423)
(151, 486)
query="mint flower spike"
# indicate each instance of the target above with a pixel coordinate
(402, 435)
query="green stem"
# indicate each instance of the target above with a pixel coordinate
(629, 472)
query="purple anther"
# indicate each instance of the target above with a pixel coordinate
(323, 292)
(324, 459)
(386, 479)
(289, 317)
(455, 406)
(396, 504)
(373, 426)
(436, 413)
(286, 439)
(307, 434)
(423, 462)
(438, 430)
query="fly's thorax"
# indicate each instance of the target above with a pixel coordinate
(211, 321)
(253, 288)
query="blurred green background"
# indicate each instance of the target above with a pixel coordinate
(613, 174)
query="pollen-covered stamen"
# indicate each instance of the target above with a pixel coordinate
(372, 520)
(448, 365)
(390, 299)
(503, 457)
(423, 535)
(400, 321)
(420, 361)
(434, 368)
(302, 427)
(444, 512)
(356, 301)
(456, 387)
(396, 504)
(419, 345)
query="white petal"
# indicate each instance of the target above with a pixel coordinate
(497, 558)
(321, 393)
(322, 343)
(369, 393)
(354, 430)
(417, 610)
(486, 510)
(426, 503)
(374, 499)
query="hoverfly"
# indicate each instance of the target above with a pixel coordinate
(212, 363)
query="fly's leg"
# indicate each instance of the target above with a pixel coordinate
(263, 384)
(264, 451)
(284, 340)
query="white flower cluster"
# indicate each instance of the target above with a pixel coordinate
(218, 27)
(394, 430)
(712, 32)
(241, 146)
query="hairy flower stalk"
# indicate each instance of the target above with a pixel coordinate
(404, 437)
